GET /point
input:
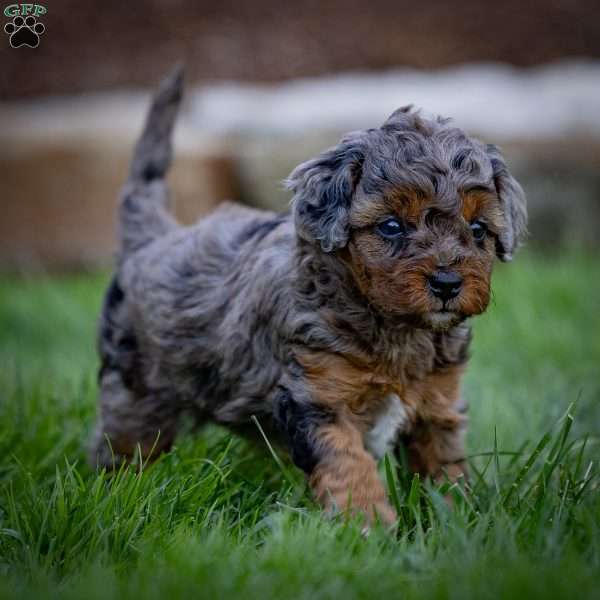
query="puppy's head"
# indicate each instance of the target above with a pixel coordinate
(418, 211)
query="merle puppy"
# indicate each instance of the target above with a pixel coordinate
(341, 326)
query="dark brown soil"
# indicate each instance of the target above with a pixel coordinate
(97, 45)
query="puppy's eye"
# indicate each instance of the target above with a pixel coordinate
(479, 229)
(391, 228)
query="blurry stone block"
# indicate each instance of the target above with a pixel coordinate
(59, 197)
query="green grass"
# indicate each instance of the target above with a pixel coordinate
(218, 517)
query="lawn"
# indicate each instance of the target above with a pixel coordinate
(219, 517)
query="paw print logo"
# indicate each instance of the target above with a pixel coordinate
(24, 31)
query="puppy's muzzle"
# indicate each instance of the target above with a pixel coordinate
(445, 285)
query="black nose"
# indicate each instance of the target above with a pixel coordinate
(445, 284)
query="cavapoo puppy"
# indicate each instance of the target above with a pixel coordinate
(342, 325)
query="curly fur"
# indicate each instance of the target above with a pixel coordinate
(308, 320)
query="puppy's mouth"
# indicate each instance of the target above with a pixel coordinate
(441, 319)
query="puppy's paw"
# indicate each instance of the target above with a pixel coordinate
(371, 511)
(379, 514)
(384, 513)
(454, 479)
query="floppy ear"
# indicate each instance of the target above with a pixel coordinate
(323, 189)
(512, 200)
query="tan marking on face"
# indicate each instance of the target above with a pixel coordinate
(393, 284)
(473, 204)
(409, 205)
(367, 211)
(482, 205)
(476, 274)
(398, 284)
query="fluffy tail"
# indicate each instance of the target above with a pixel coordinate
(143, 214)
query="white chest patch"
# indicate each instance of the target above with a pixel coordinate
(389, 423)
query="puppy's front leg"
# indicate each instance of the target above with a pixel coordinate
(437, 452)
(346, 476)
(436, 445)
(329, 448)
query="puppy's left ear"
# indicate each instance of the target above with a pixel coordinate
(323, 189)
(514, 207)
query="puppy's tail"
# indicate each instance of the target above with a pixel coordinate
(143, 214)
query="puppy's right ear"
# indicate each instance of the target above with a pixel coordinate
(323, 189)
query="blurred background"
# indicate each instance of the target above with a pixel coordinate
(270, 84)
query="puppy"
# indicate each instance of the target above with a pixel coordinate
(342, 326)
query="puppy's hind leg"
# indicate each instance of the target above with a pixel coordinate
(132, 414)
(131, 427)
